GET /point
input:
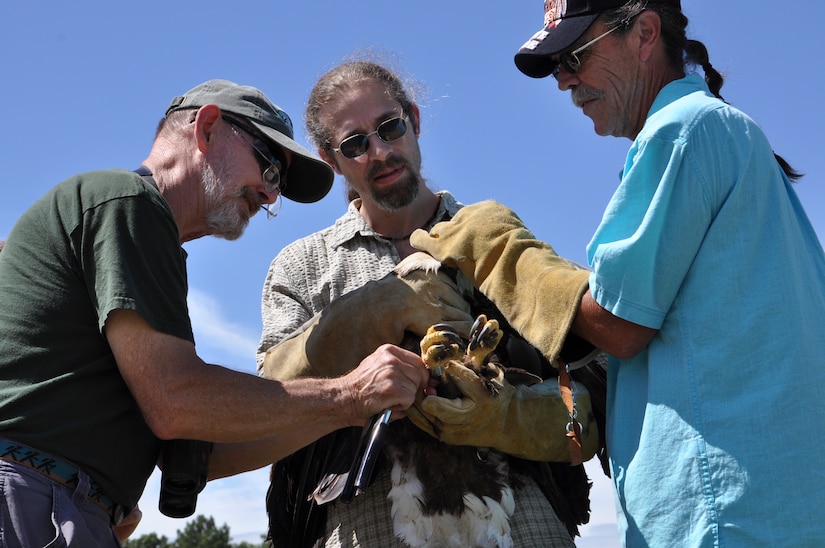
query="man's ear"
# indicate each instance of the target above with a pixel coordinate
(328, 156)
(206, 125)
(649, 28)
(415, 118)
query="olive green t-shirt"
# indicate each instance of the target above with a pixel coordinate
(95, 243)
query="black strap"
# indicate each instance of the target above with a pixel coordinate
(146, 173)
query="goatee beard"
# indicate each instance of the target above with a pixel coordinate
(399, 195)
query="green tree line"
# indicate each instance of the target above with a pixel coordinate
(199, 533)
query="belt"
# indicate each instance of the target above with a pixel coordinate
(61, 472)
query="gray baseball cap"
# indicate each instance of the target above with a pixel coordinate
(309, 178)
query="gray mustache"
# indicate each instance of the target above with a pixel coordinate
(581, 95)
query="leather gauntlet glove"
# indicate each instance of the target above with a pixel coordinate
(536, 290)
(354, 325)
(529, 422)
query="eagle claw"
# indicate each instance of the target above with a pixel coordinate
(484, 337)
(441, 345)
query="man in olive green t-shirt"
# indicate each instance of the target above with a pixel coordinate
(97, 356)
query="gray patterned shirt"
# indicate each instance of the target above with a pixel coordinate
(311, 272)
(303, 279)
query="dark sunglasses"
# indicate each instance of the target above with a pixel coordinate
(388, 131)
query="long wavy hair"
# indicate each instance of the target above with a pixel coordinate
(347, 75)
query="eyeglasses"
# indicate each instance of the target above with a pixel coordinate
(570, 61)
(274, 169)
(388, 131)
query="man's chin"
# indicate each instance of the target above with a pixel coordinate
(402, 194)
(227, 229)
(235, 232)
(230, 236)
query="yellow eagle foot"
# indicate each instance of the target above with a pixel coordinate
(484, 337)
(439, 346)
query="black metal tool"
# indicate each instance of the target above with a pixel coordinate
(369, 448)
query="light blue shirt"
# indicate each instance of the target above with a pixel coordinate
(717, 428)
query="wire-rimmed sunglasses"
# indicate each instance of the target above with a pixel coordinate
(570, 61)
(388, 131)
(273, 169)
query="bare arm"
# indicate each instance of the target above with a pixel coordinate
(181, 396)
(618, 337)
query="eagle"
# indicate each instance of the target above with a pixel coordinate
(446, 495)
(442, 495)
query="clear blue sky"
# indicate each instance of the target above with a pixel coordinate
(85, 83)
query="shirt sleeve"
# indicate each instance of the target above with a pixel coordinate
(650, 233)
(129, 251)
(283, 308)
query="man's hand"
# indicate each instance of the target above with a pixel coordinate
(389, 378)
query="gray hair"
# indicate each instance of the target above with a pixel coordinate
(175, 121)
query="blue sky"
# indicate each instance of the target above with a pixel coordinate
(85, 84)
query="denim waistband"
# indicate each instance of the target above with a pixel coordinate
(59, 471)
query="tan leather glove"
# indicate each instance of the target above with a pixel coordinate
(536, 290)
(529, 422)
(354, 325)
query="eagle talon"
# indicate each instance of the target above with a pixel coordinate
(439, 354)
(481, 338)
(439, 346)
(484, 337)
(477, 325)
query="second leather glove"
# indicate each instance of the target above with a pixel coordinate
(536, 290)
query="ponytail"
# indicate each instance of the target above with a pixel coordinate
(682, 52)
(697, 54)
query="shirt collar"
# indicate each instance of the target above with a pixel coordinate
(352, 224)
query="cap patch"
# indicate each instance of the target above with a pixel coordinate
(535, 40)
(554, 11)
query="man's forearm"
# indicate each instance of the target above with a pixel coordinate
(617, 337)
